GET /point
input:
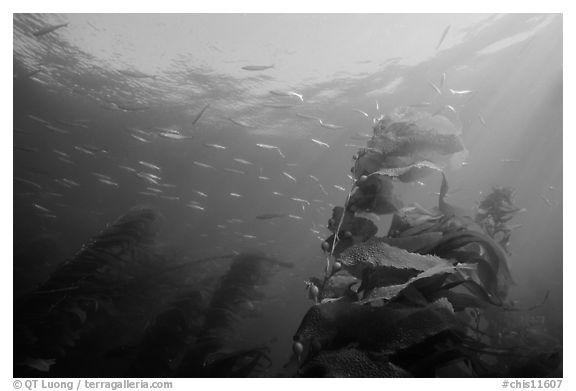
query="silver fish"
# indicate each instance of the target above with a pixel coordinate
(438, 90)
(141, 139)
(242, 161)
(459, 92)
(43, 209)
(289, 176)
(60, 153)
(300, 200)
(235, 195)
(339, 188)
(101, 175)
(108, 182)
(287, 93)
(235, 171)
(174, 136)
(320, 143)
(195, 206)
(203, 165)
(329, 126)
(365, 114)
(241, 123)
(150, 165)
(270, 147)
(215, 146)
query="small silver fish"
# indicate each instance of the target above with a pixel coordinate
(288, 93)
(329, 126)
(242, 161)
(43, 209)
(438, 90)
(70, 182)
(241, 123)
(235, 195)
(203, 165)
(300, 200)
(289, 177)
(108, 182)
(459, 92)
(270, 147)
(339, 188)
(150, 165)
(215, 146)
(365, 114)
(195, 206)
(101, 176)
(141, 139)
(201, 194)
(126, 168)
(548, 202)
(174, 136)
(235, 171)
(321, 143)
(315, 179)
(84, 150)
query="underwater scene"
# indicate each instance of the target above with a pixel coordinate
(287, 195)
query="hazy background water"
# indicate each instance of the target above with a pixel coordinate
(511, 126)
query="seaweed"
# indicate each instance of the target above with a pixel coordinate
(211, 354)
(424, 300)
(84, 291)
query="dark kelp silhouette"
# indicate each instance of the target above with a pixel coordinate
(85, 291)
(426, 300)
(210, 356)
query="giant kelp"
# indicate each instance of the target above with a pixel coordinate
(83, 292)
(423, 300)
(212, 353)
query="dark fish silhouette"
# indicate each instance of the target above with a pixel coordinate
(443, 37)
(268, 216)
(197, 118)
(48, 29)
(257, 67)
